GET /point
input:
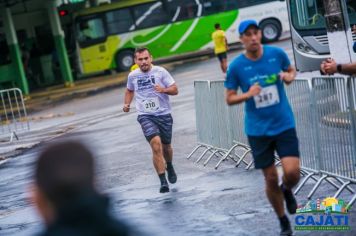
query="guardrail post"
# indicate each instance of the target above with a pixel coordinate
(352, 112)
(315, 132)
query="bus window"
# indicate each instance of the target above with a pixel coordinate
(90, 29)
(119, 21)
(149, 15)
(182, 9)
(351, 9)
(310, 14)
(217, 6)
(250, 3)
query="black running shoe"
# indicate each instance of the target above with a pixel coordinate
(164, 188)
(172, 177)
(291, 202)
(286, 229)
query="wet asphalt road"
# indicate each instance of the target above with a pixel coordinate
(229, 201)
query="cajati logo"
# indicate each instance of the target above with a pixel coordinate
(327, 214)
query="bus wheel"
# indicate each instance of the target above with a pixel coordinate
(271, 30)
(124, 60)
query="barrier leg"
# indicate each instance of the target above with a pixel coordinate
(195, 149)
(341, 188)
(303, 172)
(202, 155)
(249, 165)
(211, 156)
(225, 156)
(242, 158)
(304, 181)
(13, 134)
(349, 205)
(277, 160)
(316, 186)
(231, 156)
(341, 182)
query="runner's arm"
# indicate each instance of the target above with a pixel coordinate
(226, 45)
(348, 69)
(289, 75)
(233, 98)
(128, 99)
(171, 90)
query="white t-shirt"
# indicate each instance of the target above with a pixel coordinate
(148, 101)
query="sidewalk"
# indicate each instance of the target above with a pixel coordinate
(44, 98)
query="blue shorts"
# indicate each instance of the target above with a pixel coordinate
(263, 147)
(157, 126)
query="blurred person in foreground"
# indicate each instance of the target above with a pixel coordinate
(65, 195)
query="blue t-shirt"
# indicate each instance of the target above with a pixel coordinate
(269, 113)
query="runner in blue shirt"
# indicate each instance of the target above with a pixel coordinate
(260, 73)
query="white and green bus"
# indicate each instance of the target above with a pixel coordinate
(107, 35)
(309, 34)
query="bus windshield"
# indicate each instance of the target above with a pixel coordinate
(309, 14)
(90, 29)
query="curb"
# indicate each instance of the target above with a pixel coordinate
(36, 104)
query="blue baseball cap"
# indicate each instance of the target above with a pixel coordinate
(245, 24)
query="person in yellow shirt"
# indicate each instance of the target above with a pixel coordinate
(220, 46)
(134, 67)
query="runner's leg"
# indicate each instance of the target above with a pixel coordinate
(291, 175)
(159, 162)
(167, 152)
(168, 156)
(287, 147)
(275, 197)
(273, 191)
(158, 159)
(224, 65)
(291, 171)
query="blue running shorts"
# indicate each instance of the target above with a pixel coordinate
(263, 147)
(157, 125)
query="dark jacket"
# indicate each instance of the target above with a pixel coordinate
(88, 215)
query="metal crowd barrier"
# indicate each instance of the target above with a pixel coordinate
(220, 131)
(328, 120)
(325, 115)
(13, 116)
